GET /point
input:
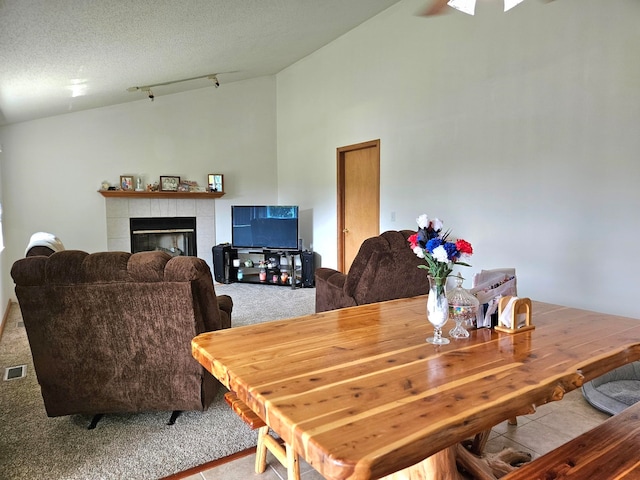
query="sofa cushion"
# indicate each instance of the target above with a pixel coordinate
(359, 265)
(65, 267)
(148, 266)
(105, 267)
(185, 270)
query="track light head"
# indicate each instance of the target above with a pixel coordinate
(149, 93)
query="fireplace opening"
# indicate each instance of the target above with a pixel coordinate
(174, 235)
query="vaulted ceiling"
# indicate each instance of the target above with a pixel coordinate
(69, 55)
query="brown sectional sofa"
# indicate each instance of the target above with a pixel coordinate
(111, 331)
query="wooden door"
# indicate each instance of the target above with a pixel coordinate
(358, 198)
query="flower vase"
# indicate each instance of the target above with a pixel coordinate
(437, 309)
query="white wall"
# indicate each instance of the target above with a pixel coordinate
(518, 129)
(4, 265)
(52, 168)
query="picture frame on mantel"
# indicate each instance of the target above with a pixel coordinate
(126, 182)
(215, 182)
(169, 183)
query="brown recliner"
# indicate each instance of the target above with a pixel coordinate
(385, 268)
(111, 331)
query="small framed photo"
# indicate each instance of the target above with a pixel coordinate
(126, 182)
(187, 185)
(169, 184)
(215, 182)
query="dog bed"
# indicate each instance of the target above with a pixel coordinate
(616, 390)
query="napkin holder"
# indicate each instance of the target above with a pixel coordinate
(521, 306)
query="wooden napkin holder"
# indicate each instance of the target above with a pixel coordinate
(521, 306)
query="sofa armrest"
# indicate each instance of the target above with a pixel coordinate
(330, 292)
(225, 304)
(324, 274)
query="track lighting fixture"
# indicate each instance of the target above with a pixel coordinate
(147, 88)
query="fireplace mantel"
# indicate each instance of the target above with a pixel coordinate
(145, 194)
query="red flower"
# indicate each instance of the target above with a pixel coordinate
(464, 247)
(413, 240)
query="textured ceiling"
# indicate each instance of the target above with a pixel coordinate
(69, 55)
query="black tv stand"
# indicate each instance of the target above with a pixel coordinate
(290, 268)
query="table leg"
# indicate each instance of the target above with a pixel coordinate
(440, 466)
(443, 466)
(474, 465)
(479, 442)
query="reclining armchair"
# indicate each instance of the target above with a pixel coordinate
(111, 331)
(385, 268)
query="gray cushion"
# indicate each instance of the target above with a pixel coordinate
(616, 390)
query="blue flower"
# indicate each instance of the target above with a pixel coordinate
(433, 244)
(452, 251)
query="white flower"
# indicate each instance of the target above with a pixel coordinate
(418, 251)
(437, 224)
(440, 254)
(423, 221)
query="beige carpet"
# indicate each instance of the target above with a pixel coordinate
(138, 447)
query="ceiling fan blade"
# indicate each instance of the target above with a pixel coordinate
(435, 7)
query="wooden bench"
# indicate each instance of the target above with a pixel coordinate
(607, 452)
(284, 454)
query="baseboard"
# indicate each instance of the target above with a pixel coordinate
(5, 317)
(210, 465)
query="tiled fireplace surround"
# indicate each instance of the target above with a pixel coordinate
(119, 210)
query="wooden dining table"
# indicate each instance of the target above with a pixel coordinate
(359, 394)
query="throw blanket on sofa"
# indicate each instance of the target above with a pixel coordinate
(44, 239)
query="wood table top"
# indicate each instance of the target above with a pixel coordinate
(360, 394)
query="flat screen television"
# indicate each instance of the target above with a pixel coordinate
(264, 226)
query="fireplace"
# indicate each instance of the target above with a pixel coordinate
(120, 211)
(174, 235)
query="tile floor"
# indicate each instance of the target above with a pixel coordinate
(551, 426)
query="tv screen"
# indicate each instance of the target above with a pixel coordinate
(266, 226)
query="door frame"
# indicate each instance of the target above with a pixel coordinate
(341, 153)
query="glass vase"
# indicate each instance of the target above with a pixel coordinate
(437, 309)
(463, 308)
